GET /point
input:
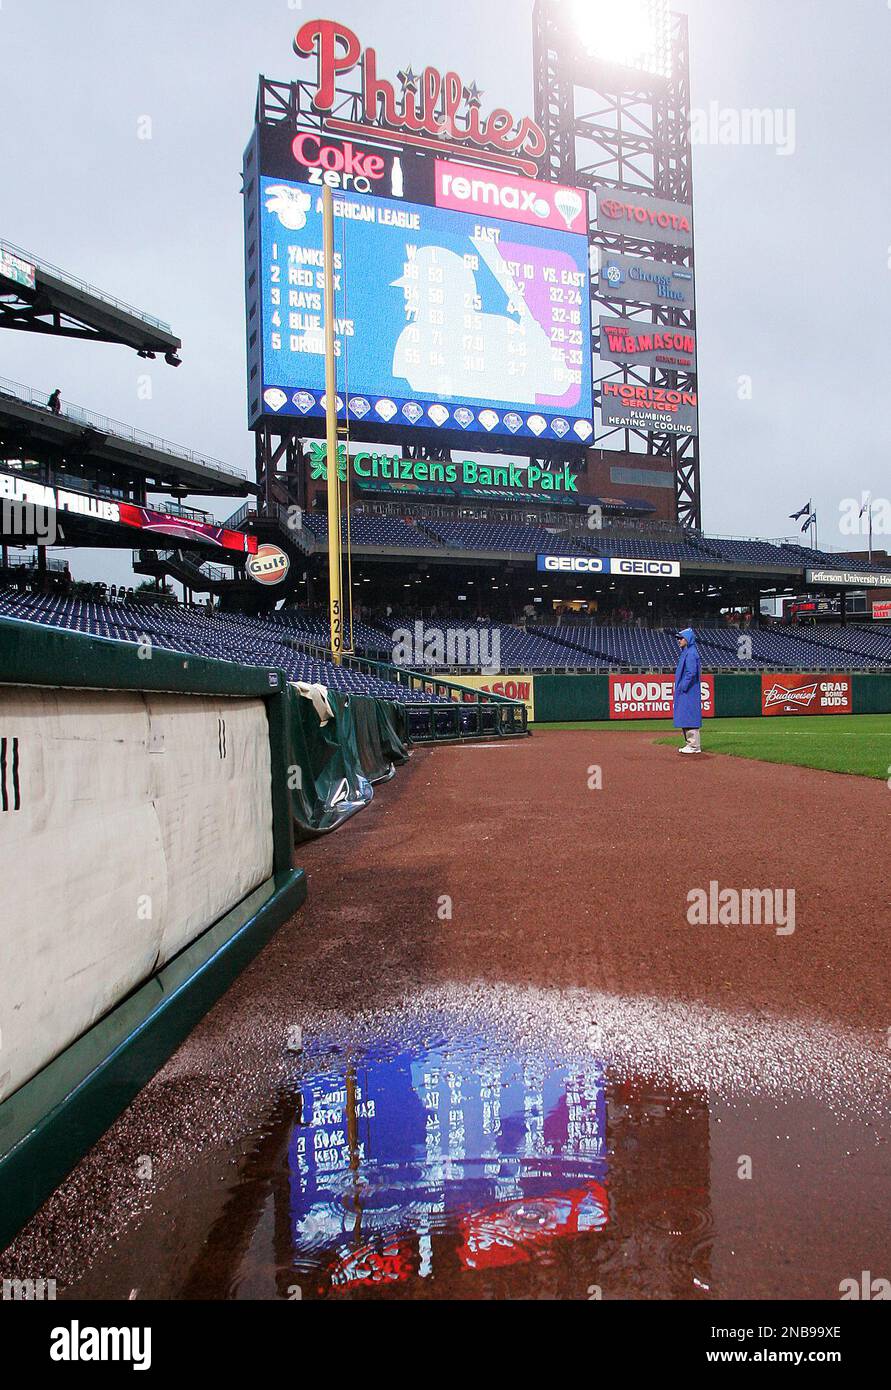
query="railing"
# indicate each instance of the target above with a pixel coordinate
(76, 283)
(237, 519)
(470, 713)
(217, 574)
(103, 424)
(29, 560)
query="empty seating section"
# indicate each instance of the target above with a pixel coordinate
(277, 640)
(225, 637)
(502, 536)
(386, 531)
(826, 648)
(505, 537)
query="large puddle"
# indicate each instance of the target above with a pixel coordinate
(491, 1144)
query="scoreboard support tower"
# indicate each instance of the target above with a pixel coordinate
(628, 130)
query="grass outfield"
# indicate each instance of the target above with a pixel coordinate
(859, 744)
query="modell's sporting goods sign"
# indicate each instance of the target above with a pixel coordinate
(429, 109)
(806, 695)
(652, 697)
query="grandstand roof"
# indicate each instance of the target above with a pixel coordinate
(40, 298)
(24, 418)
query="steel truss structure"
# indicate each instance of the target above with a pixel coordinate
(626, 130)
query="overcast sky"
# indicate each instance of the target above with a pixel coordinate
(793, 250)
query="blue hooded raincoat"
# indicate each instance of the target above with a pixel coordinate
(688, 685)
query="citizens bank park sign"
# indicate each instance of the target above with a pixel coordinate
(433, 110)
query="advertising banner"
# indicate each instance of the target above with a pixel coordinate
(14, 268)
(849, 579)
(590, 564)
(652, 697)
(513, 687)
(656, 409)
(639, 215)
(645, 282)
(28, 492)
(806, 695)
(881, 612)
(636, 343)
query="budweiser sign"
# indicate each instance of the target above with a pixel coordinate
(806, 695)
(432, 110)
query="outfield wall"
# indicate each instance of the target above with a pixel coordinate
(578, 699)
(145, 846)
(132, 821)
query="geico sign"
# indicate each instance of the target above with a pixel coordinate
(571, 564)
(657, 569)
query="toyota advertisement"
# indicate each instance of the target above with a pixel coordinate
(806, 695)
(649, 219)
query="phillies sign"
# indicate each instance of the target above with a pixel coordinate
(425, 112)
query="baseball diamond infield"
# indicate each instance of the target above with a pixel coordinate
(494, 900)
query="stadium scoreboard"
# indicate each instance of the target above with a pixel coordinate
(462, 295)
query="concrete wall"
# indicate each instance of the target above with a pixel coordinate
(129, 823)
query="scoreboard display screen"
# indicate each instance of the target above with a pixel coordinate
(471, 317)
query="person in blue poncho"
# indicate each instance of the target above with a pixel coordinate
(688, 692)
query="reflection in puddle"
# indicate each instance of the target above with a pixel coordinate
(434, 1152)
(406, 1168)
(402, 1164)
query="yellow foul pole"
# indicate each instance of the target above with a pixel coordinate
(335, 563)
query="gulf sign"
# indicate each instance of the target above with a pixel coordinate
(645, 218)
(269, 566)
(652, 697)
(633, 343)
(800, 694)
(487, 193)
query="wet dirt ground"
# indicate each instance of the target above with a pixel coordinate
(492, 1058)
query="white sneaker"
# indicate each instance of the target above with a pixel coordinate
(688, 749)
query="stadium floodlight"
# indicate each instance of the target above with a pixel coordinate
(625, 33)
